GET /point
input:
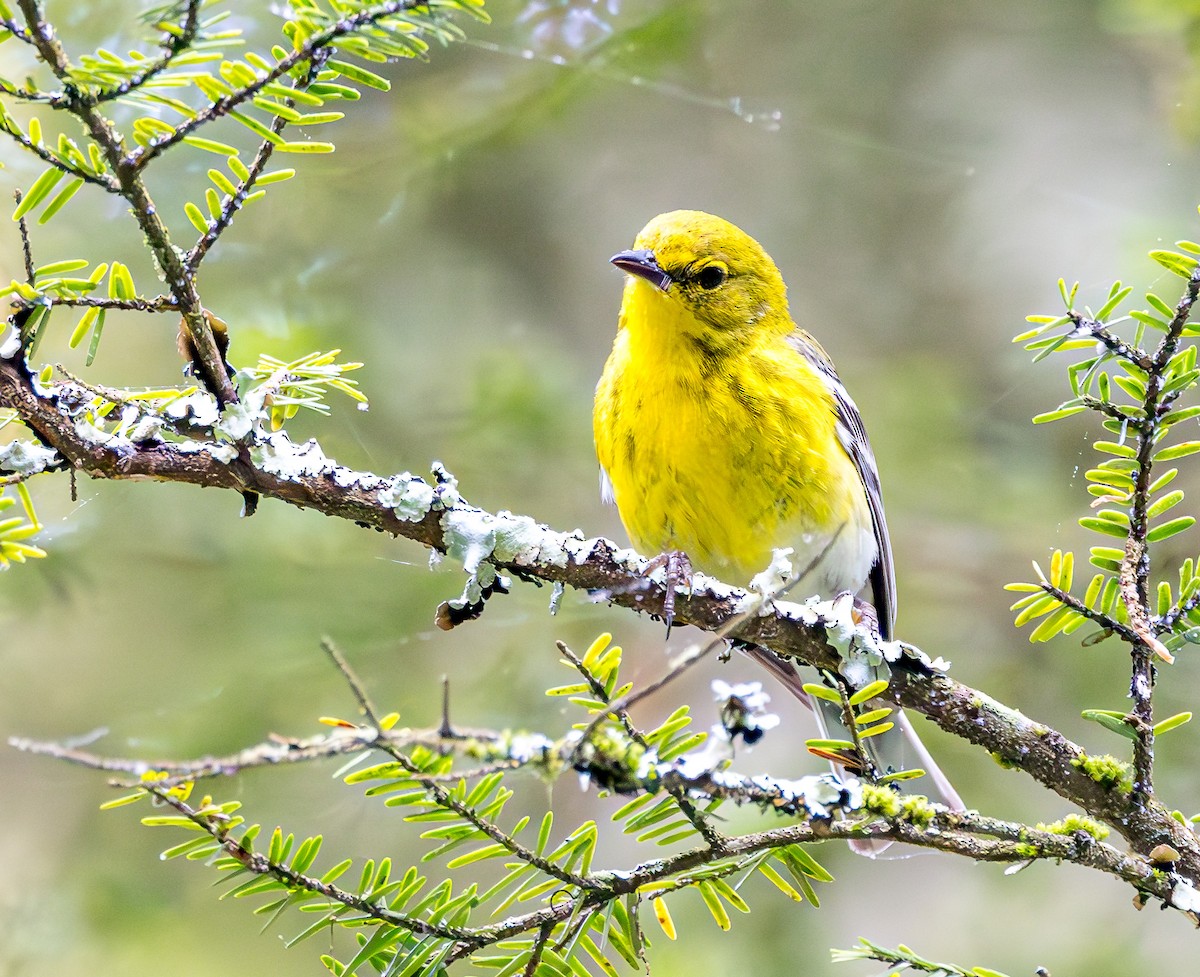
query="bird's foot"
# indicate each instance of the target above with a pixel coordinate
(862, 612)
(678, 570)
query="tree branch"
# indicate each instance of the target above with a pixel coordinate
(173, 45)
(210, 364)
(955, 832)
(437, 518)
(141, 156)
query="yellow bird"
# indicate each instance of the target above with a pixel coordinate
(724, 433)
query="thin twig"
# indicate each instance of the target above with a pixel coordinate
(1105, 621)
(259, 864)
(446, 728)
(311, 47)
(352, 680)
(101, 180)
(182, 286)
(621, 713)
(444, 799)
(172, 43)
(266, 149)
(16, 30)
(535, 955)
(160, 303)
(1134, 575)
(1112, 410)
(233, 203)
(1167, 622)
(870, 772)
(1114, 344)
(26, 247)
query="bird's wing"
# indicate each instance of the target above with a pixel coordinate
(853, 435)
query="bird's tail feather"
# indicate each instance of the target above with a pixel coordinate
(898, 749)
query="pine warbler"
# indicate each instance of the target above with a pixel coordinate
(723, 433)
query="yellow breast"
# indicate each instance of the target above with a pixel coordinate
(725, 454)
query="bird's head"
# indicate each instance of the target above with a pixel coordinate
(713, 269)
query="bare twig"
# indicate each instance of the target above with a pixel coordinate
(352, 680)
(276, 751)
(101, 180)
(160, 303)
(234, 202)
(1114, 344)
(26, 247)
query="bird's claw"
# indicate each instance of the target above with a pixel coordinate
(678, 570)
(863, 613)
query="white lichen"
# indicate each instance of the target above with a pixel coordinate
(472, 593)
(447, 486)
(523, 541)
(469, 536)
(27, 457)
(788, 611)
(279, 456)
(88, 432)
(578, 549)
(1184, 896)
(818, 794)
(199, 408)
(346, 477)
(409, 496)
(863, 652)
(238, 420)
(519, 538)
(221, 451)
(774, 579)
(11, 344)
(224, 453)
(751, 694)
(137, 426)
(527, 747)
(743, 711)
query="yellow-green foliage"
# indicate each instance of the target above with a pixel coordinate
(1074, 823)
(917, 809)
(885, 802)
(1107, 771)
(882, 801)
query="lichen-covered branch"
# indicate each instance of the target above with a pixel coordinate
(433, 514)
(812, 799)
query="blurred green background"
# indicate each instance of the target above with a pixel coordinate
(922, 173)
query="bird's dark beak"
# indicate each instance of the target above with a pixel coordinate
(643, 264)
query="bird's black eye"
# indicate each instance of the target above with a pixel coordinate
(712, 277)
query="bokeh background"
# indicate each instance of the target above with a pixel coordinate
(922, 172)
